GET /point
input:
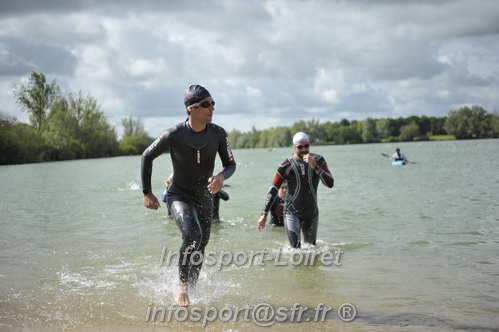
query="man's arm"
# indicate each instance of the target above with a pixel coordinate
(225, 152)
(272, 194)
(216, 183)
(324, 173)
(159, 146)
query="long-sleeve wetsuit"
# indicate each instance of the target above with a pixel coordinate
(300, 209)
(216, 204)
(193, 157)
(277, 212)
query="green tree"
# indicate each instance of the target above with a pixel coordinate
(242, 141)
(312, 128)
(409, 132)
(383, 128)
(345, 122)
(343, 132)
(96, 135)
(263, 138)
(281, 136)
(36, 98)
(315, 131)
(61, 133)
(133, 145)
(135, 139)
(252, 138)
(132, 127)
(494, 125)
(76, 128)
(233, 138)
(330, 130)
(467, 123)
(369, 131)
(299, 126)
(19, 142)
(437, 125)
(353, 133)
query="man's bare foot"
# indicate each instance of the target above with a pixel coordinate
(183, 294)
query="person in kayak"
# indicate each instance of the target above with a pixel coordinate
(302, 171)
(399, 156)
(193, 147)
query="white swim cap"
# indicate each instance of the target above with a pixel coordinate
(300, 137)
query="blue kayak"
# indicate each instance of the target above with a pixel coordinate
(398, 163)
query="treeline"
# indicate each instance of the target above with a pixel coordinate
(73, 127)
(63, 128)
(464, 123)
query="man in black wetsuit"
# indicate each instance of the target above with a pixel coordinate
(216, 204)
(277, 208)
(302, 171)
(193, 147)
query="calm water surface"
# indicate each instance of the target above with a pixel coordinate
(420, 243)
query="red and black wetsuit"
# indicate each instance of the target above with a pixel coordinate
(277, 212)
(193, 157)
(300, 210)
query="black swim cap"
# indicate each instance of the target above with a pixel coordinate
(194, 94)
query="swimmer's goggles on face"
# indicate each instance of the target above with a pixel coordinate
(299, 147)
(204, 104)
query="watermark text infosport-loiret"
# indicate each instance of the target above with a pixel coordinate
(262, 314)
(243, 258)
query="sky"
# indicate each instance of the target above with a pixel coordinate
(266, 63)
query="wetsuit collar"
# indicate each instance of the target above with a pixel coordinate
(190, 128)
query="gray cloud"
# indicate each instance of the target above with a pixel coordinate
(19, 58)
(266, 63)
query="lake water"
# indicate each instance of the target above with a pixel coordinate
(417, 245)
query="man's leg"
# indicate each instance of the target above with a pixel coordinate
(186, 217)
(309, 228)
(205, 213)
(292, 223)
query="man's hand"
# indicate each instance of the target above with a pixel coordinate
(151, 202)
(310, 159)
(216, 183)
(261, 222)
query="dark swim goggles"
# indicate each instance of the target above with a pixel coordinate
(299, 147)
